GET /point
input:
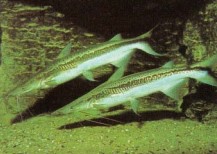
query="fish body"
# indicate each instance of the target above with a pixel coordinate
(167, 79)
(116, 51)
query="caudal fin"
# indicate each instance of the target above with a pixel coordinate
(208, 63)
(208, 79)
(144, 46)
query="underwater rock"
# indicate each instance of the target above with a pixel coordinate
(200, 36)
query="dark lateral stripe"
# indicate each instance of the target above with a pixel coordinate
(86, 54)
(133, 82)
(79, 58)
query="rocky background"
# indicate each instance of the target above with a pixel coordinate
(34, 32)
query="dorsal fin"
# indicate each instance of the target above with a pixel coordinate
(147, 34)
(65, 51)
(117, 37)
(169, 64)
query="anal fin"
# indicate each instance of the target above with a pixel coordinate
(134, 105)
(176, 90)
(121, 64)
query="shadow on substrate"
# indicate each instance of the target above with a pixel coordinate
(74, 89)
(53, 101)
(125, 118)
(57, 98)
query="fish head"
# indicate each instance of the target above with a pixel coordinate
(27, 87)
(74, 107)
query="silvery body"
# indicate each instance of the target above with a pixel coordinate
(116, 51)
(167, 79)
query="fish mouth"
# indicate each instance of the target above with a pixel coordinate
(62, 111)
(19, 91)
(56, 113)
(75, 108)
(26, 89)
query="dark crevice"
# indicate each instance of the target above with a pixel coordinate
(109, 17)
(58, 97)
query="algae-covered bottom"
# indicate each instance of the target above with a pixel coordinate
(41, 135)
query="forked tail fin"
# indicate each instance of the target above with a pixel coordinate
(209, 63)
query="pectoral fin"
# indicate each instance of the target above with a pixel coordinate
(66, 51)
(176, 90)
(88, 75)
(134, 105)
